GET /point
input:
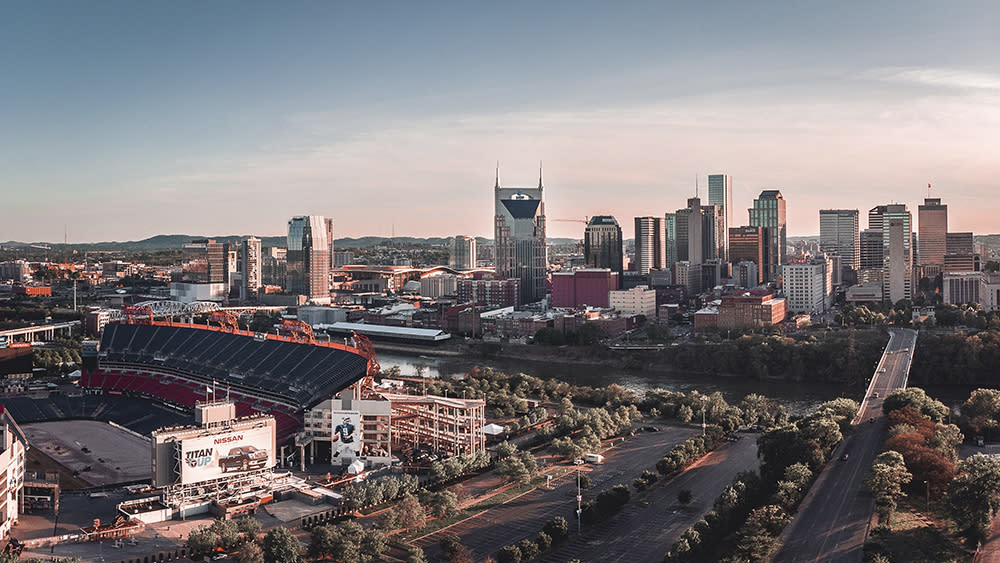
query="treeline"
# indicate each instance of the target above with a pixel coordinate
(749, 515)
(837, 356)
(967, 359)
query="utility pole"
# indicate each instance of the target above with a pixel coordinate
(703, 399)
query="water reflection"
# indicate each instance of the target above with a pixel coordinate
(797, 397)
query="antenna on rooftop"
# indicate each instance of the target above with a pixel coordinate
(695, 185)
(928, 190)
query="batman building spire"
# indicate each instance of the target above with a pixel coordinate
(519, 236)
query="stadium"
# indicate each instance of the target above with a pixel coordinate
(179, 364)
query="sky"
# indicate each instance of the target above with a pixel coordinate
(120, 120)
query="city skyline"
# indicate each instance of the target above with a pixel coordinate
(207, 119)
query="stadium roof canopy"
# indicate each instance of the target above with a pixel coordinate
(398, 332)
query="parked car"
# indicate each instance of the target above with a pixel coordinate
(243, 458)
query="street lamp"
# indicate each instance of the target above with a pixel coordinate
(927, 499)
(579, 499)
(703, 399)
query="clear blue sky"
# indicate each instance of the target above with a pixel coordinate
(129, 119)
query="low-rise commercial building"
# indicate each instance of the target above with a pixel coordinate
(639, 300)
(751, 310)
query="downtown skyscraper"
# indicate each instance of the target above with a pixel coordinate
(519, 236)
(649, 244)
(720, 193)
(602, 245)
(308, 259)
(897, 252)
(839, 235)
(768, 212)
(932, 238)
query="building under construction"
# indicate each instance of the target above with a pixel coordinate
(370, 431)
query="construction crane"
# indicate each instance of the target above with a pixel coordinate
(301, 331)
(585, 220)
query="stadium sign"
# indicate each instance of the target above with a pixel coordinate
(216, 456)
(346, 437)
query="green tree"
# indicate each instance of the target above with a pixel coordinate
(416, 555)
(201, 540)
(505, 449)
(684, 414)
(250, 552)
(442, 504)
(408, 514)
(280, 546)
(509, 554)
(885, 481)
(684, 496)
(450, 545)
(227, 532)
(974, 495)
(249, 527)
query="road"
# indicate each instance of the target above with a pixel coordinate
(833, 520)
(524, 516)
(646, 530)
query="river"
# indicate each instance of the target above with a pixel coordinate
(798, 398)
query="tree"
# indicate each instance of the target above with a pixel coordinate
(505, 449)
(529, 549)
(509, 554)
(280, 546)
(249, 527)
(918, 399)
(201, 540)
(250, 552)
(416, 555)
(885, 481)
(442, 504)
(227, 532)
(557, 528)
(372, 545)
(408, 514)
(450, 545)
(685, 414)
(974, 495)
(684, 496)
(544, 541)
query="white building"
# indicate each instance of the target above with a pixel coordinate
(745, 274)
(961, 288)
(808, 286)
(639, 300)
(439, 285)
(189, 292)
(13, 444)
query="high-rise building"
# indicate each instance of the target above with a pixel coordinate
(960, 253)
(329, 240)
(808, 285)
(713, 239)
(695, 231)
(681, 223)
(897, 249)
(308, 257)
(250, 267)
(839, 235)
(670, 240)
(746, 244)
(720, 193)
(768, 211)
(274, 266)
(206, 261)
(648, 244)
(872, 255)
(602, 244)
(463, 253)
(875, 217)
(932, 218)
(519, 237)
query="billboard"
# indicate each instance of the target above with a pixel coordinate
(346, 438)
(226, 453)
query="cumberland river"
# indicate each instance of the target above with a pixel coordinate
(797, 397)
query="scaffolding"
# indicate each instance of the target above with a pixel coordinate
(440, 424)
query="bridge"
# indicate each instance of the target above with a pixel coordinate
(833, 520)
(170, 309)
(32, 333)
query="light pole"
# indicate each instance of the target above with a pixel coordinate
(703, 399)
(927, 499)
(579, 499)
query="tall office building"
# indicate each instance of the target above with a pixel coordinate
(681, 222)
(648, 244)
(308, 257)
(695, 231)
(602, 245)
(875, 217)
(463, 253)
(839, 235)
(720, 193)
(768, 212)
(746, 244)
(872, 256)
(206, 261)
(250, 267)
(960, 253)
(897, 249)
(329, 240)
(670, 240)
(713, 237)
(519, 237)
(932, 219)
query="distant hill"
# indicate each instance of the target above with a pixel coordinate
(174, 242)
